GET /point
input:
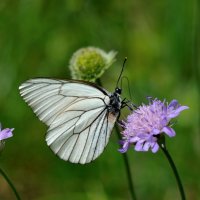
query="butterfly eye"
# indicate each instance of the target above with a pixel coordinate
(118, 90)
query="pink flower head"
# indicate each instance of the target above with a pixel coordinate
(147, 122)
(5, 133)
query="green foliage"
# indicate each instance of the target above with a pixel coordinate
(38, 38)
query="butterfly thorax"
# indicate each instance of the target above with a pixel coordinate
(115, 102)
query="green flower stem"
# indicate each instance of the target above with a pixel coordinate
(128, 170)
(10, 184)
(173, 166)
(126, 162)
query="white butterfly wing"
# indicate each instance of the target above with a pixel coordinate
(76, 113)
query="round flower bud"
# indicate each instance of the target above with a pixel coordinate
(90, 63)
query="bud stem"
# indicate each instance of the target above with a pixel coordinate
(10, 184)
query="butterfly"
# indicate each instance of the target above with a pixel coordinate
(80, 115)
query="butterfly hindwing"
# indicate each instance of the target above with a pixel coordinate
(77, 114)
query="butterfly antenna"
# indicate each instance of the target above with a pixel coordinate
(121, 72)
(128, 84)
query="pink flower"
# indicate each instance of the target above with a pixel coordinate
(5, 133)
(147, 122)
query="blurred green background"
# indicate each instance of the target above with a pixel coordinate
(160, 39)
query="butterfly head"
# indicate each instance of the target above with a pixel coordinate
(118, 90)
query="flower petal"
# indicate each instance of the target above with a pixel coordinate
(122, 150)
(173, 103)
(139, 146)
(124, 147)
(146, 146)
(155, 147)
(6, 133)
(134, 139)
(177, 111)
(143, 136)
(155, 131)
(169, 131)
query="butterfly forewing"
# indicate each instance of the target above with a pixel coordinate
(77, 114)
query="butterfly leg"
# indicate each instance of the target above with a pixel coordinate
(129, 104)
